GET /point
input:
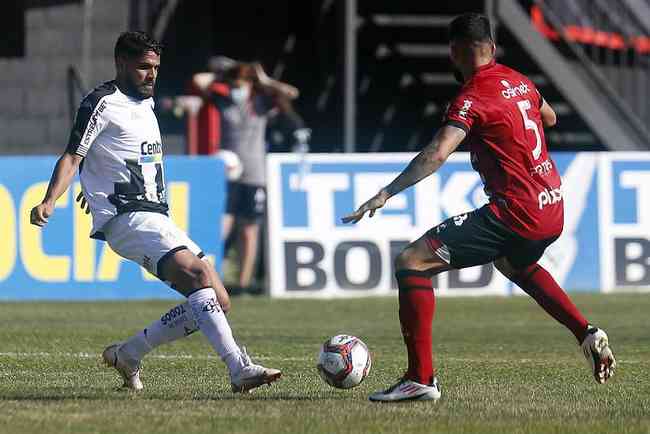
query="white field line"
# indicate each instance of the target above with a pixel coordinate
(25, 355)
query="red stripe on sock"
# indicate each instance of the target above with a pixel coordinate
(416, 308)
(539, 284)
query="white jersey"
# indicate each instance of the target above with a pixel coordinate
(123, 169)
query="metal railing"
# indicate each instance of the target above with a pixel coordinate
(610, 45)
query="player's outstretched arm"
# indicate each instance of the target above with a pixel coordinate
(424, 164)
(61, 178)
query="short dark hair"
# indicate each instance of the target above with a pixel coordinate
(241, 70)
(470, 27)
(135, 44)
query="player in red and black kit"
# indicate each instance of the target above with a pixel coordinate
(501, 115)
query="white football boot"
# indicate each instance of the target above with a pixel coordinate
(251, 375)
(408, 390)
(598, 354)
(129, 373)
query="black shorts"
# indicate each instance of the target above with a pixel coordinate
(478, 237)
(246, 201)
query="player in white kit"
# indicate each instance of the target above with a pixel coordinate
(116, 145)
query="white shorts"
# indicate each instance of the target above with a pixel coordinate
(147, 238)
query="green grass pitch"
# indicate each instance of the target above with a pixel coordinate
(505, 367)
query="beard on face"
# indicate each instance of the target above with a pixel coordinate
(143, 90)
(138, 90)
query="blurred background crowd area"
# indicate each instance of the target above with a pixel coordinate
(589, 58)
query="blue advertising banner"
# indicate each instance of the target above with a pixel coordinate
(604, 245)
(60, 261)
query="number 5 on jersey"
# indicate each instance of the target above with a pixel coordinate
(524, 106)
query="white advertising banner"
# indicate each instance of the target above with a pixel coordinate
(311, 253)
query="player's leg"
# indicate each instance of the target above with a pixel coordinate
(461, 241)
(249, 241)
(232, 204)
(521, 268)
(414, 267)
(155, 242)
(251, 210)
(192, 278)
(535, 281)
(227, 224)
(174, 324)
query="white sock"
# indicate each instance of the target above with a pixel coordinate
(214, 325)
(177, 323)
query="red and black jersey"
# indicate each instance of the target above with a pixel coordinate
(499, 109)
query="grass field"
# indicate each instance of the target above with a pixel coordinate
(504, 367)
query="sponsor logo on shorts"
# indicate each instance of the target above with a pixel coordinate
(549, 197)
(460, 219)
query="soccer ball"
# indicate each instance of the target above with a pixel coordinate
(344, 361)
(231, 161)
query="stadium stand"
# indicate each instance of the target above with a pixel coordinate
(403, 80)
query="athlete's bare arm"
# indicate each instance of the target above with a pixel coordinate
(548, 114)
(424, 164)
(274, 87)
(64, 171)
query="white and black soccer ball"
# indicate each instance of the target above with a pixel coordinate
(344, 361)
(232, 163)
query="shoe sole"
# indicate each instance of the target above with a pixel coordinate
(422, 397)
(255, 382)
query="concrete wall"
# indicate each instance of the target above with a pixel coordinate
(34, 112)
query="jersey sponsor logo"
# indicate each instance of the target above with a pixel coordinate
(510, 92)
(549, 197)
(150, 152)
(544, 168)
(92, 124)
(467, 104)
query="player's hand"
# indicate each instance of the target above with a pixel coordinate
(370, 206)
(40, 214)
(260, 74)
(82, 203)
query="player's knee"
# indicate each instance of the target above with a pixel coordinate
(194, 275)
(202, 276)
(406, 260)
